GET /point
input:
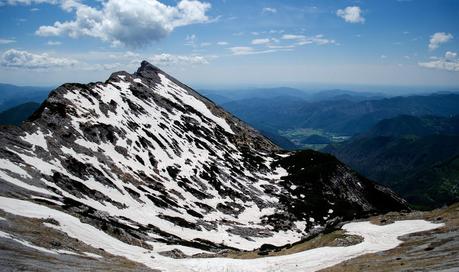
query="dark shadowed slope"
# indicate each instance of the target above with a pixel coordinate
(18, 114)
(414, 156)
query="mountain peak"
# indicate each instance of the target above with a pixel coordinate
(149, 160)
(148, 68)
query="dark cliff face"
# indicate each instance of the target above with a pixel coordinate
(145, 158)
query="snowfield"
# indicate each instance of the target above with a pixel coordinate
(376, 238)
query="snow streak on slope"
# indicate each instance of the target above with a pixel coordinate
(155, 157)
(376, 238)
(148, 160)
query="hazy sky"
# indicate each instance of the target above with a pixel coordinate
(233, 42)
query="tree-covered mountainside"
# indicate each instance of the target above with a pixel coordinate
(16, 115)
(342, 116)
(418, 126)
(337, 117)
(417, 157)
(279, 140)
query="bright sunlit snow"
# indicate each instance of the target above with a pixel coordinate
(376, 238)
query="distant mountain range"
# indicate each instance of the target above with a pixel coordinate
(341, 117)
(12, 95)
(225, 96)
(416, 156)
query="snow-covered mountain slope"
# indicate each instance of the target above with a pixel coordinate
(153, 164)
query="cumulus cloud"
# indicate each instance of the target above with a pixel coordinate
(129, 22)
(351, 14)
(438, 38)
(7, 41)
(165, 59)
(13, 58)
(261, 41)
(269, 10)
(449, 62)
(222, 43)
(304, 40)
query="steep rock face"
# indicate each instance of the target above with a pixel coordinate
(151, 162)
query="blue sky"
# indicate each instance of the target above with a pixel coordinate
(233, 43)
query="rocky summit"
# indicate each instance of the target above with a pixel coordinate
(153, 164)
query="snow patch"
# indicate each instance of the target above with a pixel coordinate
(376, 238)
(19, 183)
(169, 89)
(36, 139)
(92, 255)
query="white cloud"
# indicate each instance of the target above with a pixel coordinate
(193, 41)
(190, 40)
(269, 10)
(28, 2)
(65, 4)
(222, 43)
(292, 37)
(261, 41)
(7, 41)
(54, 43)
(449, 62)
(351, 14)
(438, 38)
(281, 46)
(247, 50)
(304, 40)
(130, 54)
(130, 22)
(111, 66)
(165, 59)
(273, 31)
(13, 58)
(450, 55)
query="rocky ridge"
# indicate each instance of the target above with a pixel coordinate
(149, 161)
